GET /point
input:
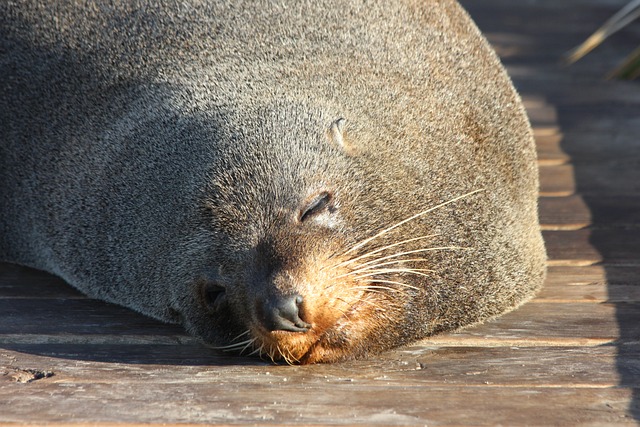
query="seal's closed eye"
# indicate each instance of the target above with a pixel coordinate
(213, 295)
(319, 204)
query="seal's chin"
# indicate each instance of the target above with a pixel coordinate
(296, 347)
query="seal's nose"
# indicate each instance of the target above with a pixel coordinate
(283, 314)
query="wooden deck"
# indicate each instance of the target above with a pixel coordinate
(571, 356)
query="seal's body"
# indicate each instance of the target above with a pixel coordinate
(311, 181)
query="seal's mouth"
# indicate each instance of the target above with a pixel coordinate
(322, 343)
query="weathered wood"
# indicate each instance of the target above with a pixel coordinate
(582, 367)
(541, 113)
(591, 284)
(578, 211)
(557, 181)
(97, 323)
(21, 282)
(84, 391)
(571, 248)
(550, 152)
(564, 213)
(278, 399)
(540, 323)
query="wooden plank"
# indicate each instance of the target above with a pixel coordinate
(416, 365)
(22, 282)
(347, 403)
(579, 367)
(591, 284)
(591, 293)
(55, 316)
(611, 211)
(578, 211)
(543, 131)
(593, 146)
(541, 113)
(279, 400)
(98, 356)
(550, 152)
(557, 181)
(93, 326)
(608, 178)
(595, 284)
(571, 248)
(564, 213)
(605, 274)
(617, 246)
(552, 324)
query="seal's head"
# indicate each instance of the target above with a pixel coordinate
(288, 218)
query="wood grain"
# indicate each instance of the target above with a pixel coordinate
(557, 181)
(550, 152)
(571, 248)
(564, 213)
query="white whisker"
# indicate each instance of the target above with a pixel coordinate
(235, 346)
(419, 214)
(374, 289)
(393, 283)
(368, 254)
(371, 267)
(291, 357)
(395, 270)
(411, 252)
(241, 335)
(248, 345)
(258, 350)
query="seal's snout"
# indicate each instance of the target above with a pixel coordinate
(282, 313)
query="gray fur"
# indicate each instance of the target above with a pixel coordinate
(146, 147)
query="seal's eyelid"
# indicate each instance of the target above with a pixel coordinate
(317, 205)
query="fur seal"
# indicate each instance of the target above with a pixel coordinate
(307, 180)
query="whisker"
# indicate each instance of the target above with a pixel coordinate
(411, 252)
(419, 214)
(235, 346)
(393, 283)
(292, 357)
(248, 345)
(270, 353)
(375, 289)
(373, 304)
(283, 355)
(418, 272)
(370, 267)
(241, 335)
(395, 261)
(258, 350)
(368, 254)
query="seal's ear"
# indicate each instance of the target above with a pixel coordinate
(336, 136)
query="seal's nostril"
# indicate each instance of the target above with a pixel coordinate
(283, 314)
